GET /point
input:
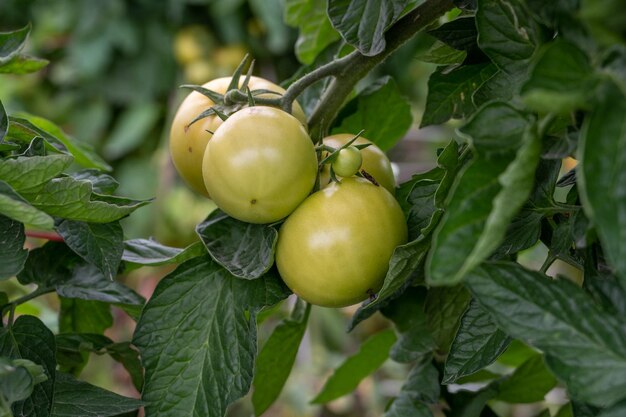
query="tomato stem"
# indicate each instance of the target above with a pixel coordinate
(52, 236)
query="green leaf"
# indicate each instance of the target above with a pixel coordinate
(17, 380)
(560, 81)
(72, 199)
(371, 355)
(197, 338)
(23, 64)
(31, 173)
(14, 206)
(421, 388)
(444, 308)
(246, 250)
(381, 110)
(600, 174)
(316, 32)
(277, 357)
(12, 42)
(363, 23)
(528, 384)
(489, 193)
(584, 346)
(477, 344)
(442, 54)
(4, 123)
(152, 253)
(421, 202)
(74, 398)
(100, 244)
(450, 92)
(28, 126)
(102, 183)
(460, 33)
(84, 316)
(618, 410)
(507, 33)
(12, 252)
(28, 338)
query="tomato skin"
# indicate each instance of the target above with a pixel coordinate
(375, 162)
(260, 165)
(334, 249)
(347, 162)
(187, 145)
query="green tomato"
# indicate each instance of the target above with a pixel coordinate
(375, 162)
(259, 165)
(187, 143)
(334, 249)
(347, 161)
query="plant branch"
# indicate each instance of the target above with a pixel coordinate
(44, 235)
(38, 292)
(348, 70)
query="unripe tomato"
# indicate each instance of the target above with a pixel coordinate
(375, 162)
(334, 249)
(347, 162)
(187, 143)
(259, 165)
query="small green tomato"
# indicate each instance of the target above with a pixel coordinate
(347, 162)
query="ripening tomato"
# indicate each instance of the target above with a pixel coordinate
(260, 165)
(187, 143)
(334, 249)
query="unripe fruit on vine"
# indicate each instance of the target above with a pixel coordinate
(334, 249)
(375, 162)
(187, 143)
(259, 165)
(347, 161)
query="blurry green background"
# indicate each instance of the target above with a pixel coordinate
(115, 66)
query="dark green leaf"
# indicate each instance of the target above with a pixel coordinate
(489, 193)
(363, 23)
(151, 252)
(23, 64)
(477, 343)
(507, 33)
(101, 183)
(197, 338)
(618, 410)
(14, 206)
(472, 404)
(12, 252)
(246, 250)
(371, 355)
(74, 398)
(382, 111)
(601, 175)
(404, 406)
(100, 244)
(420, 389)
(316, 31)
(72, 199)
(16, 382)
(421, 201)
(560, 81)
(30, 126)
(460, 33)
(444, 308)
(30, 339)
(528, 384)
(30, 173)
(522, 233)
(442, 54)
(450, 92)
(585, 347)
(605, 288)
(4, 123)
(12, 42)
(84, 316)
(277, 357)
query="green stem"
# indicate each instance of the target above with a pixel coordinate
(547, 263)
(348, 70)
(38, 292)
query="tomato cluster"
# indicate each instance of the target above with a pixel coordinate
(259, 165)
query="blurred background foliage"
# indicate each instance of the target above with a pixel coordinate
(115, 66)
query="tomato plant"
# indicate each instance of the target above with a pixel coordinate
(334, 250)
(259, 165)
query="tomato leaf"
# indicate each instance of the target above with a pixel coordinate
(152, 253)
(602, 152)
(381, 111)
(23, 64)
(442, 54)
(74, 398)
(617, 410)
(4, 123)
(12, 42)
(14, 206)
(316, 32)
(29, 174)
(460, 34)
(246, 250)
(363, 23)
(197, 338)
(528, 384)
(561, 320)
(444, 308)
(99, 244)
(420, 389)
(28, 338)
(371, 355)
(277, 357)
(477, 343)
(12, 252)
(84, 316)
